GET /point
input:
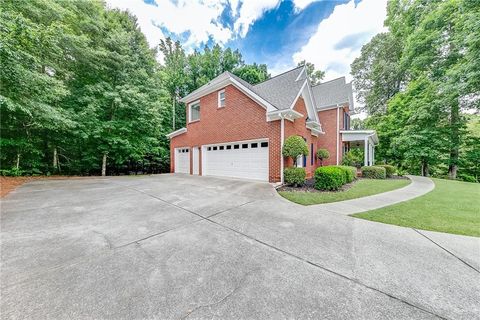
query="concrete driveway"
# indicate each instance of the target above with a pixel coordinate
(178, 247)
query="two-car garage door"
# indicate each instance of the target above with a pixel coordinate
(245, 159)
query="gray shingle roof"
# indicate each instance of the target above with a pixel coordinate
(282, 89)
(333, 92)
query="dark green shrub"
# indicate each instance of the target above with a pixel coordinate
(389, 170)
(374, 172)
(322, 154)
(293, 147)
(329, 178)
(353, 158)
(294, 176)
(350, 173)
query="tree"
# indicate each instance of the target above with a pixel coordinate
(322, 154)
(252, 73)
(293, 147)
(314, 76)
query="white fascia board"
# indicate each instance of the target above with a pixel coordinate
(310, 93)
(333, 106)
(176, 133)
(300, 74)
(359, 135)
(298, 95)
(287, 114)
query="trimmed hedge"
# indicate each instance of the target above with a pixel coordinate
(350, 173)
(294, 176)
(374, 172)
(390, 170)
(329, 178)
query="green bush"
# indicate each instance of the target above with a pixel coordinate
(294, 176)
(466, 178)
(293, 147)
(329, 178)
(322, 154)
(353, 158)
(350, 173)
(374, 172)
(389, 170)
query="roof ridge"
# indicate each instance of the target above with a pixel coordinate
(329, 81)
(280, 74)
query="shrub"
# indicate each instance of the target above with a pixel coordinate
(293, 147)
(350, 173)
(322, 154)
(353, 158)
(389, 170)
(294, 176)
(466, 178)
(329, 178)
(374, 172)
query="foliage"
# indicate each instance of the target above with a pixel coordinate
(467, 178)
(452, 206)
(350, 173)
(361, 188)
(374, 172)
(293, 147)
(81, 91)
(417, 79)
(353, 158)
(314, 76)
(322, 154)
(389, 170)
(294, 176)
(329, 178)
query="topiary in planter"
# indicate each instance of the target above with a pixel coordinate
(294, 176)
(329, 178)
(374, 172)
(350, 173)
(389, 170)
(322, 154)
(293, 147)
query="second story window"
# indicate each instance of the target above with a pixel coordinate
(221, 99)
(194, 114)
(346, 121)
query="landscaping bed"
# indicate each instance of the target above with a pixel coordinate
(308, 195)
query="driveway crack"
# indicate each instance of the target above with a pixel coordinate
(446, 250)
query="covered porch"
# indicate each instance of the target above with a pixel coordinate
(366, 139)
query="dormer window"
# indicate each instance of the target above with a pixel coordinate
(221, 98)
(194, 111)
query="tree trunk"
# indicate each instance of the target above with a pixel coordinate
(454, 140)
(425, 168)
(18, 161)
(104, 165)
(55, 159)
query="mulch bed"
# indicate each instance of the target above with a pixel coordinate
(309, 183)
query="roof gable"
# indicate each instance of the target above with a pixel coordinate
(332, 93)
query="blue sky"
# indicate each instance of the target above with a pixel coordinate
(279, 33)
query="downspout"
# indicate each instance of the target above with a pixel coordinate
(282, 138)
(338, 129)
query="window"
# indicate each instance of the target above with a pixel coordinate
(229, 147)
(346, 121)
(221, 99)
(254, 145)
(245, 146)
(186, 150)
(209, 148)
(214, 148)
(194, 111)
(300, 161)
(264, 144)
(311, 154)
(236, 146)
(221, 147)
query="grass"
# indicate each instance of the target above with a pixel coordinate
(361, 188)
(452, 207)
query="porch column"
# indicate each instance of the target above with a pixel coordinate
(365, 152)
(373, 155)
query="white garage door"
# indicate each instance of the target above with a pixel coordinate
(182, 160)
(247, 160)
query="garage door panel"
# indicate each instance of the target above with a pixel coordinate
(247, 163)
(182, 160)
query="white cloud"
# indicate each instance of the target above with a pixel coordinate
(302, 4)
(338, 39)
(250, 11)
(199, 18)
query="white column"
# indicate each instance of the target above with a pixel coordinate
(373, 154)
(282, 138)
(365, 151)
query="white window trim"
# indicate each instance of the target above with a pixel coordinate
(190, 111)
(219, 104)
(300, 161)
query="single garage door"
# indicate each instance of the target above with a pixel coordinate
(182, 160)
(247, 160)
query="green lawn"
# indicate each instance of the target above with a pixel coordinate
(361, 188)
(452, 207)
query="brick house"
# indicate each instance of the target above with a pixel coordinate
(236, 129)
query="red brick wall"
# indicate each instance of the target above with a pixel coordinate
(298, 128)
(328, 119)
(240, 119)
